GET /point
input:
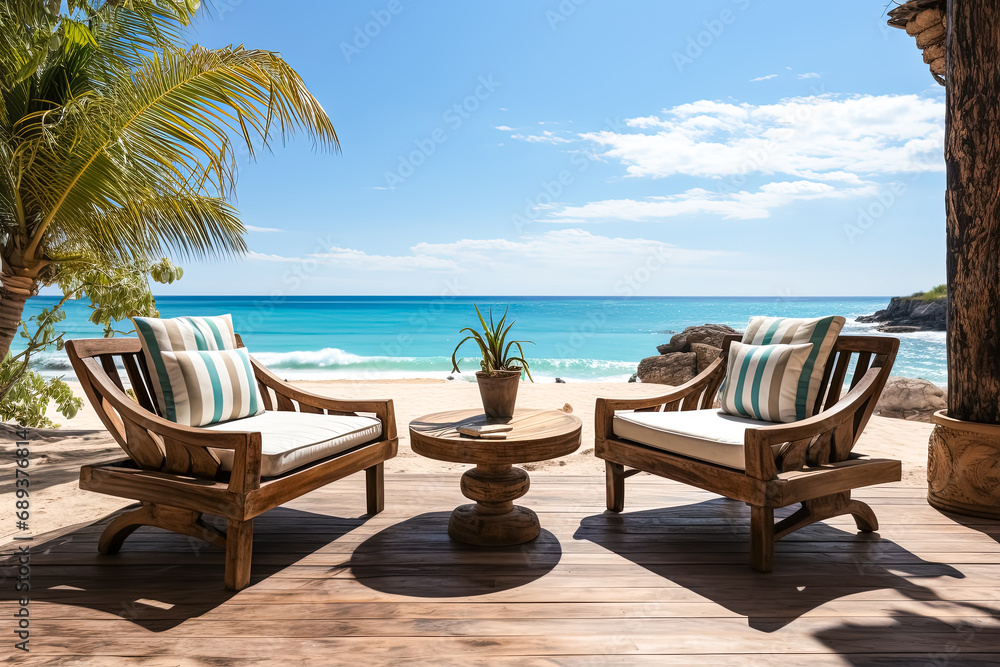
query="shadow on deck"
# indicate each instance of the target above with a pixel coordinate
(834, 563)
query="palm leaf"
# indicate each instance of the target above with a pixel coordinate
(169, 121)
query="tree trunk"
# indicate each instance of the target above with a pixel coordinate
(972, 155)
(15, 292)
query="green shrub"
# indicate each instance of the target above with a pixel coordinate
(934, 294)
(116, 291)
(28, 398)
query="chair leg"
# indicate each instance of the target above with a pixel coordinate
(761, 538)
(827, 507)
(375, 488)
(239, 548)
(864, 516)
(615, 476)
(185, 522)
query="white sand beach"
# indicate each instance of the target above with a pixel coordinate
(56, 455)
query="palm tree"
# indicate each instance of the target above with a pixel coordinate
(117, 139)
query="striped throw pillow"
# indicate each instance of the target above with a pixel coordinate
(762, 381)
(822, 332)
(179, 334)
(214, 386)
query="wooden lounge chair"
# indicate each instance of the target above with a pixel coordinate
(179, 473)
(766, 465)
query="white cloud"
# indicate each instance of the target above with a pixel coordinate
(803, 137)
(350, 258)
(252, 228)
(359, 259)
(809, 75)
(254, 256)
(546, 137)
(575, 248)
(504, 128)
(569, 249)
(765, 77)
(741, 205)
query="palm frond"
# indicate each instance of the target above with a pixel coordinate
(178, 224)
(171, 120)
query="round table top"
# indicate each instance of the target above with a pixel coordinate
(538, 435)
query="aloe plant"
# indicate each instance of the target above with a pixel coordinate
(493, 345)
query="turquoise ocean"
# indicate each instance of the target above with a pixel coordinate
(578, 339)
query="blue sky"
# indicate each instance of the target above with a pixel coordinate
(585, 147)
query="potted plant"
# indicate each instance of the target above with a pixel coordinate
(500, 372)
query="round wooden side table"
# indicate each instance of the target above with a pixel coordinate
(494, 520)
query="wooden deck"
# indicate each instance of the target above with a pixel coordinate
(665, 582)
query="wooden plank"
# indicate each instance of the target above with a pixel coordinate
(856, 607)
(678, 641)
(666, 582)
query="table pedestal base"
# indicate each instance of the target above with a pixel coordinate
(494, 520)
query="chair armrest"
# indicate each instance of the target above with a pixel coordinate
(286, 393)
(679, 397)
(246, 446)
(759, 441)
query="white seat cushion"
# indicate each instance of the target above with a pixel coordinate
(293, 439)
(707, 435)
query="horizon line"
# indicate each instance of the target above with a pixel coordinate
(506, 296)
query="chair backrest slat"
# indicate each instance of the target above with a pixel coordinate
(851, 355)
(138, 381)
(284, 403)
(862, 366)
(108, 363)
(836, 384)
(265, 395)
(96, 364)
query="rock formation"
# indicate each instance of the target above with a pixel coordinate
(705, 354)
(911, 399)
(675, 368)
(908, 314)
(687, 354)
(710, 334)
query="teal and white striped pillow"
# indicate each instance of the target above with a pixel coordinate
(762, 381)
(822, 332)
(179, 334)
(215, 386)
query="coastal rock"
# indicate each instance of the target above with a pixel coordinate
(673, 369)
(906, 314)
(710, 334)
(634, 378)
(911, 399)
(705, 354)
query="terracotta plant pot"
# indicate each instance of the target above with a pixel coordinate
(499, 392)
(963, 468)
